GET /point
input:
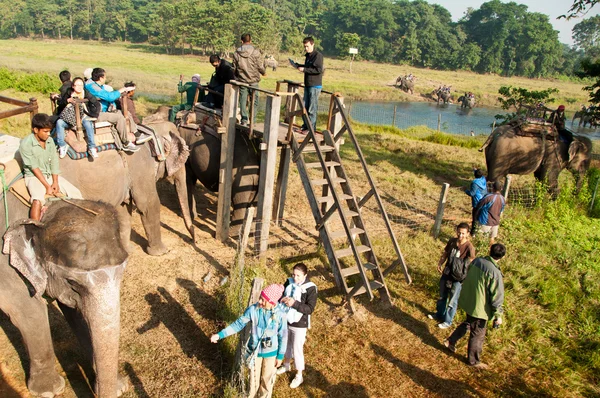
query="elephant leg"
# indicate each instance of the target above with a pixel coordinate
(124, 213)
(80, 328)
(190, 180)
(148, 205)
(30, 316)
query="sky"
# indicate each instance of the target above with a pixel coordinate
(553, 8)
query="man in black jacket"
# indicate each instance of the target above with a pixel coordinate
(223, 74)
(313, 80)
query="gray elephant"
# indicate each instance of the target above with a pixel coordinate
(76, 258)
(117, 178)
(585, 117)
(512, 153)
(406, 85)
(204, 160)
(466, 101)
(442, 95)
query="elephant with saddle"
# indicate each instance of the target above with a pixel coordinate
(466, 101)
(585, 117)
(128, 179)
(442, 96)
(525, 149)
(75, 257)
(406, 85)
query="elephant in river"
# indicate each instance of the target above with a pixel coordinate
(466, 101)
(406, 85)
(118, 178)
(76, 258)
(442, 95)
(512, 153)
(585, 117)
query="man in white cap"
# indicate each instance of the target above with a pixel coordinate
(190, 89)
(88, 75)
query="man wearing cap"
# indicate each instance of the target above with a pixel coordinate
(189, 89)
(268, 339)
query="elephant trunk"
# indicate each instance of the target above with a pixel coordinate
(182, 197)
(101, 309)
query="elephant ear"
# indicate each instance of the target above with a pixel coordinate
(575, 147)
(177, 153)
(18, 244)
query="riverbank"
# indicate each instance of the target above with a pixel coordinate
(157, 74)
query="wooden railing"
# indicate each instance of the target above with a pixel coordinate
(23, 107)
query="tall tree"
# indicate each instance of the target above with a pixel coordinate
(586, 35)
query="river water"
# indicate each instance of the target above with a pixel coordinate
(451, 118)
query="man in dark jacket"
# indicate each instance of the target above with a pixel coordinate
(249, 65)
(223, 74)
(476, 191)
(313, 80)
(482, 297)
(488, 212)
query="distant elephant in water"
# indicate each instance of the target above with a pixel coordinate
(406, 85)
(585, 117)
(442, 95)
(76, 258)
(466, 101)
(543, 155)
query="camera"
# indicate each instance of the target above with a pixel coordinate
(266, 342)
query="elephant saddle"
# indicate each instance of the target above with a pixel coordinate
(534, 128)
(11, 166)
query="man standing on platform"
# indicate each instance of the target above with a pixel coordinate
(249, 65)
(313, 80)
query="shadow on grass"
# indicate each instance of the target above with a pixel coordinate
(427, 380)
(14, 336)
(192, 340)
(138, 386)
(7, 391)
(316, 379)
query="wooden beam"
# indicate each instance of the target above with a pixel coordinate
(13, 101)
(18, 111)
(230, 104)
(267, 172)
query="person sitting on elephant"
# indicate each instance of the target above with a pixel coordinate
(223, 74)
(67, 118)
(40, 164)
(190, 89)
(558, 118)
(65, 79)
(109, 112)
(143, 133)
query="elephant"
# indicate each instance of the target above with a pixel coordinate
(204, 160)
(76, 258)
(585, 117)
(133, 176)
(442, 95)
(466, 101)
(511, 153)
(271, 62)
(405, 84)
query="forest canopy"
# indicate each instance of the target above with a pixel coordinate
(500, 38)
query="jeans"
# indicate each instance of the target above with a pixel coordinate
(311, 103)
(61, 125)
(477, 329)
(244, 94)
(449, 297)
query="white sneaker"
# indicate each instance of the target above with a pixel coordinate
(297, 381)
(62, 151)
(281, 370)
(143, 137)
(444, 325)
(130, 147)
(93, 152)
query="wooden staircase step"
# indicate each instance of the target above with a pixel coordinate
(323, 181)
(327, 199)
(346, 272)
(375, 285)
(317, 165)
(323, 148)
(342, 233)
(348, 251)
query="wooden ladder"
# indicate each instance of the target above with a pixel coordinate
(349, 248)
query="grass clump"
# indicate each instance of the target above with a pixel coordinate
(452, 140)
(28, 82)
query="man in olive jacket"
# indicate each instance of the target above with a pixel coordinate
(481, 297)
(249, 65)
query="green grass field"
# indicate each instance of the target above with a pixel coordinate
(548, 346)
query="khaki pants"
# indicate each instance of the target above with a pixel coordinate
(261, 377)
(37, 191)
(120, 123)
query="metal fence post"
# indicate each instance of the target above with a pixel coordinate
(439, 121)
(437, 225)
(394, 118)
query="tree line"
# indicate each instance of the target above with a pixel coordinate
(500, 38)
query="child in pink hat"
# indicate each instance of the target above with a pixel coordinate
(268, 339)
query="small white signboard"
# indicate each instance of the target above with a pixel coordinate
(353, 50)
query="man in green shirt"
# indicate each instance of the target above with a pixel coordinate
(481, 297)
(40, 164)
(189, 89)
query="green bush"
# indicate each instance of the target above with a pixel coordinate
(593, 176)
(28, 82)
(7, 79)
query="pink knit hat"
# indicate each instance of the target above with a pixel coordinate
(272, 293)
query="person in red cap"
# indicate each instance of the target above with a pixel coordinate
(268, 339)
(558, 118)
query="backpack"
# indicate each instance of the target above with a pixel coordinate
(458, 266)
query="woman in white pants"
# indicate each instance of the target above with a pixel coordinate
(301, 297)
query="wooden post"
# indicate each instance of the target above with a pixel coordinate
(437, 225)
(439, 121)
(594, 195)
(394, 118)
(266, 180)
(506, 188)
(227, 132)
(34, 107)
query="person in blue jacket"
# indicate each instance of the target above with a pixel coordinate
(268, 339)
(476, 191)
